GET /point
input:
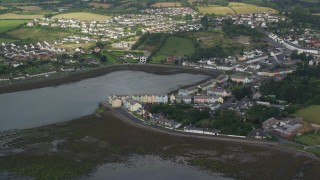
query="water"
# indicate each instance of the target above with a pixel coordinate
(150, 167)
(27, 109)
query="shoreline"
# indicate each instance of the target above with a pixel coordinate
(78, 76)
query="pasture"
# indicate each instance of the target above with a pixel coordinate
(242, 8)
(234, 8)
(166, 4)
(82, 16)
(30, 8)
(310, 114)
(100, 5)
(310, 139)
(219, 10)
(7, 25)
(174, 46)
(20, 16)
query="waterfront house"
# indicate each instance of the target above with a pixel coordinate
(240, 79)
(183, 99)
(183, 92)
(201, 99)
(162, 98)
(172, 98)
(116, 102)
(193, 129)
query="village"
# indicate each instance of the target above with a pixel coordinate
(213, 94)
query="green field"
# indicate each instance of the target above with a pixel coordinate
(82, 16)
(121, 54)
(234, 8)
(20, 16)
(219, 10)
(310, 114)
(37, 34)
(175, 46)
(310, 139)
(7, 25)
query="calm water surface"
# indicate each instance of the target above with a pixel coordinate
(49, 105)
(150, 167)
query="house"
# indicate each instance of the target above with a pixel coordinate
(201, 99)
(97, 49)
(183, 99)
(214, 106)
(206, 85)
(256, 95)
(286, 127)
(183, 92)
(167, 123)
(218, 92)
(240, 79)
(172, 99)
(116, 102)
(259, 134)
(222, 78)
(162, 98)
(192, 90)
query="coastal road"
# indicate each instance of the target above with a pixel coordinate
(127, 118)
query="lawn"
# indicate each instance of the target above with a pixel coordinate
(83, 16)
(20, 16)
(310, 114)
(310, 139)
(219, 10)
(120, 54)
(166, 4)
(7, 25)
(37, 34)
(175, 46)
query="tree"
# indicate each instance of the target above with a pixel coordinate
(103, 59)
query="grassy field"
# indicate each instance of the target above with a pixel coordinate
(20, 16)
(310, 114)
(166, 4)
(100, 5)
(310, 139)
(82, 16)
(6, 25)
(219, 10)
(121, 54)
(74, 46)
(234, 8)
(30, 8)
(37, 34)
(210, 39)
(175, 46)
(242, 8)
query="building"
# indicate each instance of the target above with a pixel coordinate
(116, 102)
(143, 59)
(183, 99)
(200, 99)
(240, 79)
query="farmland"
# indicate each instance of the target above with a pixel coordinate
(242, 8)
(20, 16)
(166, 4)
(82, 16)
(175, 46)
(234, 8)
(310, 114)
(219, 10)
(7, 25)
